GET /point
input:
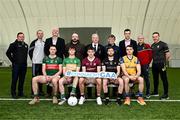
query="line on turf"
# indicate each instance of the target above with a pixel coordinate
(27, 99)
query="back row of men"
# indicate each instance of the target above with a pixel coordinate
(159, 51)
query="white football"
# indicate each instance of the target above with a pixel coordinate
(72, 101)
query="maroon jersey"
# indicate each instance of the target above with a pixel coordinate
(91, 66)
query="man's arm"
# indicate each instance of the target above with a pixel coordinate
(9, 52)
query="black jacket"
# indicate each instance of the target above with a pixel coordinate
(60, 46)
(100, 53)
(31, 48)
(79, 50)
(17, 52)
(123, 48)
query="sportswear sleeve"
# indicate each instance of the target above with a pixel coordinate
(59, 60)
(78, 63)
(121, 60)
(165, 48)
(64, 63)
(44, 60)
(137, 62)
(98, 62)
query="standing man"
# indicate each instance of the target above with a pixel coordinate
(77, 45)
(60, 46)
(127, 41)
(132, 70)
(36, 54)
(144, 56)
(160, 56)
(17, 54)
(111, 43)
(99, 49)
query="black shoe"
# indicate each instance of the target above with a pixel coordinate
(119, 102)
(14, 96)
(106, 101)
(154, 94)
(164, 97)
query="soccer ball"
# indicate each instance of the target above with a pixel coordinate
(72, 101)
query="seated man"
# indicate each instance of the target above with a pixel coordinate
(52, 69)
(131, 69)
(90, 64)
(71, 63)
(111, 64)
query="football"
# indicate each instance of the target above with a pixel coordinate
(72, 101)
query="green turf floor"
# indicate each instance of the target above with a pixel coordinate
(46, 110)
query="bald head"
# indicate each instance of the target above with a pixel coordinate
(140, 39)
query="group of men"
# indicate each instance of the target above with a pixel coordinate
(52, 59)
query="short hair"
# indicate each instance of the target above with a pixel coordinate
(19, 33)
(90, 48)
(72, 47)
(112, 36)
(129, 46)
(39, 31)
(127, 30)
(156, 33)
(52, 46)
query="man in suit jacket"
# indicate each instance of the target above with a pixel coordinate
(100, 50)
(60, 46)
(127, 41)
(57, 41)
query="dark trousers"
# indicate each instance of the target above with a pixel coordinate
(145, 74)
(37, 70)
(18, 75)
(156, 70)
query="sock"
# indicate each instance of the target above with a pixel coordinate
(62, 96)
(73, 90)
(140, 94)
(120, 96)
(106, 95)
(127, 94)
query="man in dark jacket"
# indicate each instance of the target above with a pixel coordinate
(77, 45)
(60, 46)
(36, 54)
(17, 54)
(99, 49)
(127, 41)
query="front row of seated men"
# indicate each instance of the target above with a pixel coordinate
(53, 67)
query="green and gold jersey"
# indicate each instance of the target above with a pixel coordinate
(71, 64)
(52, 64)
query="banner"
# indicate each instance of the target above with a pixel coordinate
(110, 75)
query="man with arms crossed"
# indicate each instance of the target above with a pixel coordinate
(71, 63)
(111, 64)
(90, 64)
(131, 69)
(52, 69)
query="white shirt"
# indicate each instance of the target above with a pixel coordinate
(54, 41)
(93, 45)
(38, 53)
(127, 42)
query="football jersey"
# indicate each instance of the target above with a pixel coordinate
(52, 64)
(130, 64)
(91, 66)
(71, 63)
(111, 65)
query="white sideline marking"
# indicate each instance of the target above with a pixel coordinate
(27, 99)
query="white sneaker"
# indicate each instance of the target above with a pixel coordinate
(81, 100)
(62, 101)
(99, 101)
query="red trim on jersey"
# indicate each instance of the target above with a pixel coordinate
(52, 67)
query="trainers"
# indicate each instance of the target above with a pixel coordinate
(164, 97)
(141, 101)
(34, 101)
(99, 101)
(81, 100)
(62, 101)
(106, 101)
(127, 101)
(55, 100)
(119, 102)
(154, 94)
(147, 96)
